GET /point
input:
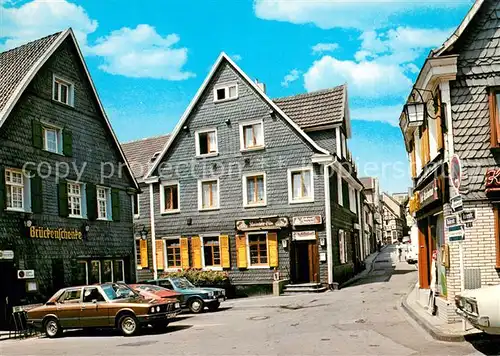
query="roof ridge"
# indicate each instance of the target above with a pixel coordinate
(145, 138)
(55, 34)
(321, 91)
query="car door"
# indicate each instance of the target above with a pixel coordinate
(68, 308)
(93, 311)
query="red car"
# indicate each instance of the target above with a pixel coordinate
(149, 292)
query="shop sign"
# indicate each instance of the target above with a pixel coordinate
(457, 237)
(451, 221)
(429, 194)
(303, 235)
(6, 255)
(414, 204)
(457, 203)
(456, 172)
(40, 232)
(307, 220)
(468, 216)
(493, 180)
(25, 274)
(262, 224)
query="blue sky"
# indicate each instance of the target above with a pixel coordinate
(148, 58)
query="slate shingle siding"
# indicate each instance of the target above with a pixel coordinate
(92, 144)
(325, 139)
(478, 68)
(284, 149)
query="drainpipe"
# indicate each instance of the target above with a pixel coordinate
(328, 224)
(153, 233)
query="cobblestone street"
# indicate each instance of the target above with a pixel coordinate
(363, 319)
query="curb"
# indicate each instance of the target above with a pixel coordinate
(428, 327)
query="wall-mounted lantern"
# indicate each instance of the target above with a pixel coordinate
(417, 110)
(143, 233)
(284, 243)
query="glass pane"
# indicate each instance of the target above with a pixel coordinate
(106, 272)
(94, 272)
(259, 137)
(206, 195)
(260, 187)
(221, 94)
(56, 91)
(211, 142)
(64, 93)
(232, 91)
(250, 190)
(51, 140)
(248, 133)
(208, 256)
(118, 271)
(215, 198)
(306, 181)
(296, 185)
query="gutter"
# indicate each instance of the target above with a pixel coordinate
(153, 231)
(328, 224)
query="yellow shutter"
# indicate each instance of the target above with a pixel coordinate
(160, 259)
(439, 125)
(241, 251)
(413, 162)
(427, 152)
(196, 251)
(224, 251)
(144, 253)
(184, 252)
(272, 247)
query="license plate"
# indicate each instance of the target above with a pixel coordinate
(171, 315)
(221, 300)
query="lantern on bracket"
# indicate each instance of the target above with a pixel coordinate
(417, 110)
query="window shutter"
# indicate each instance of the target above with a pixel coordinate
(63, 198)
(36, 195)
(496, 214)
(272, 245)
(439, 124)
(184, 252)
(37, 134)
(196, 252)
(67, 142)
(413, 162)
(3, 192)
(494, 119)
(91, 191)
(224, 251)
(241, 251)
(115, 204)
(160, 259)
(144, 253)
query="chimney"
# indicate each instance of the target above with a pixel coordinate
(261, 86)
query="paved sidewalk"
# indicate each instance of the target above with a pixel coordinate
(369, 263)
(436, 327)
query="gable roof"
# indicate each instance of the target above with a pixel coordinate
(140, 153)
(367, 182)
(315, 109)
(24, 62)
(224, 57)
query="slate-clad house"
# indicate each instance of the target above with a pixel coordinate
(256, 187)
(61, 221)
(455, 160)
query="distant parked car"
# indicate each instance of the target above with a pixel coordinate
(149, 291)
(101, 306)
(481, 308)
(411, 253)
(195, 298)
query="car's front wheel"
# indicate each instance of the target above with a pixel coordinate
(128, 325)
(52, 328)
(213, 306)
(196, 305)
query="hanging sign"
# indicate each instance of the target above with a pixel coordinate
(307, 220)
(456, 172)
(451, 221)
(303, 235)
(468, 216)
(492, 180)
(457, 203)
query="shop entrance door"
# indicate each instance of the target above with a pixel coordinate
(8, 295)
(306, 262)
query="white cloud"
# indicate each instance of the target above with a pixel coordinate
(40, 18)
(327, 14)
(324, 47)
(290, 77)
(142, 53)
(365, 79)
(389, 114)
(236, 57)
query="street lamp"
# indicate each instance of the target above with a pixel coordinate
(144, 233)
(415, 113)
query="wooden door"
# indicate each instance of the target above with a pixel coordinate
(313, 262)
(423, 254)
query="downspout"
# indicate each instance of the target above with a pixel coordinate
(328, 224)
(153, 232)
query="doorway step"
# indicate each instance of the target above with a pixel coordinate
(303, 288)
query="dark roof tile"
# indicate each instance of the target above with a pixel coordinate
(141, 153)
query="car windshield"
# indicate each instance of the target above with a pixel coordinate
(118, 291)
(182, 283)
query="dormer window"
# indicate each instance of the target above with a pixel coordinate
(225, 92)
(155, 156)
(62, 91)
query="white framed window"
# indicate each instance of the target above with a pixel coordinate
(300, 185)
(172, 251)
(136, 205)
(18, 194)
(252, 135)
(225, 92)
(208, 194)
(103, 203)
(344, 144)
(352, 199)
(257, 253)
(206, 143)
(169, 197)
(52, 139)
(75, 200)
(254, 189)
(62, 91)
(211, 257)
(342, 247)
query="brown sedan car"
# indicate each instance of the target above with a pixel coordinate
(100, 306)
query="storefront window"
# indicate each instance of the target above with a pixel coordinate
(211, 251)
(107, 273)
(95, 272)
(118, 271)
(173, 253)
(81, 276)
(258, 249)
